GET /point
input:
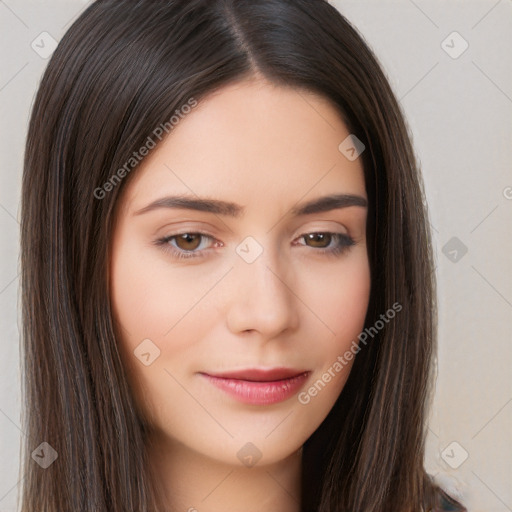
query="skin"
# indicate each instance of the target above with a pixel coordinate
(266, 148)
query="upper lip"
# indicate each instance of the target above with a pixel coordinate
(260, 374)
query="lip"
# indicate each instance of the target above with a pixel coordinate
(260, 374)
(259, 386)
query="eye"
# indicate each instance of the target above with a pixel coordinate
(322, 240)
(187, 244)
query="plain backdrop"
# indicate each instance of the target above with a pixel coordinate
(450, 65)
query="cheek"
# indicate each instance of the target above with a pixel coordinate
(170, 307)
(341, 301)
(341, 304)
(150, 300)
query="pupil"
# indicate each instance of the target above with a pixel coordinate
(188, 238)
(320, 237)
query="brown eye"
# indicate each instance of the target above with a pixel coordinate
(188, 241)
(321, 240)
(186, 245)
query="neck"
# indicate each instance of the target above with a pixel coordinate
(189, 481)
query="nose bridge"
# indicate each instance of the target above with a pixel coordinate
(261, 298)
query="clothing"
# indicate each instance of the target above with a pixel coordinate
(445, 503)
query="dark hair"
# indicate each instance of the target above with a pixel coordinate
(124, 68)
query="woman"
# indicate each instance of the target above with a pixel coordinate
(228, 288)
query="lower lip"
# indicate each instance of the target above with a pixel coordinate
(259, 393)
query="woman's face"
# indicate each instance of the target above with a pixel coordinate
(248, 282)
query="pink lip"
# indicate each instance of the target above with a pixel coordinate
(260, 387)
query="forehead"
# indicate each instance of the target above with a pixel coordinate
(250, 141)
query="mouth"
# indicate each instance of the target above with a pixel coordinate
(259, 386)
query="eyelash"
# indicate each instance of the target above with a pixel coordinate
(344, 243)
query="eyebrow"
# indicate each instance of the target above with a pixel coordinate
(218, 207)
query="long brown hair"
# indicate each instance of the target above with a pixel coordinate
(123, 69)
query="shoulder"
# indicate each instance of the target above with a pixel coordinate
(445, 503)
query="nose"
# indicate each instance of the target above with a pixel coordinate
(261, 297)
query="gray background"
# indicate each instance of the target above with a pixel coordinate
(459, 111)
